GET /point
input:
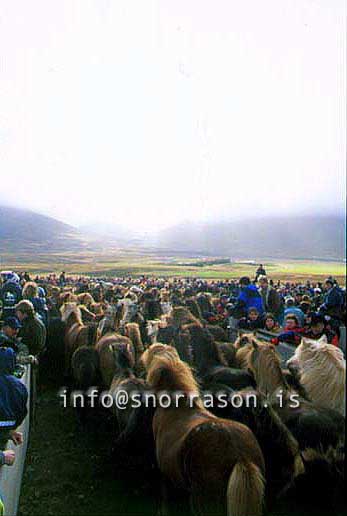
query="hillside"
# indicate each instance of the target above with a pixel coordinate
(306, 237)
(23, 229)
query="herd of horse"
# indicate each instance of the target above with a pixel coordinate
(244, 459)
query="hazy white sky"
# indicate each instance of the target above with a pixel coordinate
(146, 112)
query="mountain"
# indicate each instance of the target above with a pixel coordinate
(304, 237)
(108, 232)
(24, 229)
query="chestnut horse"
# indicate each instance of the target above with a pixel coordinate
(77, 334)
(105, 348)
(218, 462)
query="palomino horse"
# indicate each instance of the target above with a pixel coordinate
(76, 333)
(218, 462)
(312, 425)
(321, 369)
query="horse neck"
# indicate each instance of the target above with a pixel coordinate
(183, 350)
(206, 356)
(270, 383)
(126, 373)
(73, 319)
(120, 375)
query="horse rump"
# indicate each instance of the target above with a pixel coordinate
(230, 479)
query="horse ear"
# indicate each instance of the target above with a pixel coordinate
(254, 343)
(323, 340)
(305, 341)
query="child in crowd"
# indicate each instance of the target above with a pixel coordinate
(292, 331)
(270, 323)
(252, 322)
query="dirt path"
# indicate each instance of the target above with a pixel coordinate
(67, 472)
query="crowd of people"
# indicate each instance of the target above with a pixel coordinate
(287, 311)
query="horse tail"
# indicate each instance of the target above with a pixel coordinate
(246, 489)
(92, 331)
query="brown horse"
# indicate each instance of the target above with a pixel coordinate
(105, 348)
(77, 334)
(218, 462)
(134, 443)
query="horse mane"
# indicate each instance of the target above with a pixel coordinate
(157, 349)
(204, 346)
(244, 346)
(132, 330)
(123, 357)
(69, 309)
(180, 315)
(323, 365)
(68, 297)
(170, 374)
(265, 365)
(84, 311)
(85, 298)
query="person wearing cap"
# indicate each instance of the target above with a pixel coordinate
(318, 328)
(9, 333)
(291, 309)
(33, 331)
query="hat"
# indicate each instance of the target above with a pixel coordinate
(13, 323)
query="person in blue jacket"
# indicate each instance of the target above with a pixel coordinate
(13, 408)
(248, 297)
(13, 393)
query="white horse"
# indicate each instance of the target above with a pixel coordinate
(321, 368)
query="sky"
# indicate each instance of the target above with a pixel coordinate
(146, 113)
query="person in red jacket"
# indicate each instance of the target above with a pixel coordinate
(292, 331)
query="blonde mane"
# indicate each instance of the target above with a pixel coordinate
(266, 367)
(322, 370)
(69, 309)
(132, 330)
(166, 372)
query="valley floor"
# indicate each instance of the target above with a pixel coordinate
(134, 263)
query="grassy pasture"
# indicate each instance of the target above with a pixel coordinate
(120, 262)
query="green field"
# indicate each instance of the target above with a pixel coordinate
(119, 262)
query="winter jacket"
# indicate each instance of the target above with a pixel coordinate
(33, 334)
(272, 301)
(13, 393)
(249, 297)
